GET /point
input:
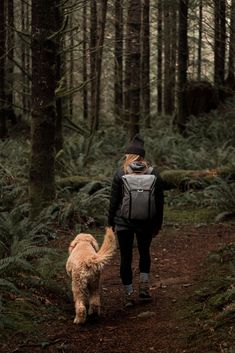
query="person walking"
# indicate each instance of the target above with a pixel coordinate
(129, 215)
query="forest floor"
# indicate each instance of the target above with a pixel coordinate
(164, 325)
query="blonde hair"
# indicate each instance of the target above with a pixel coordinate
(130, 158)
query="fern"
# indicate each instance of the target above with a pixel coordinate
(223, 194)
(166, 146)
(7, 285)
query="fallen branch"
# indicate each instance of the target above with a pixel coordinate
(194, 179)
(173, 179)
(77, 182)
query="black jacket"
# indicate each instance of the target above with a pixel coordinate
(115, 218)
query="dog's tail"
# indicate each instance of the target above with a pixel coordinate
(106, 250)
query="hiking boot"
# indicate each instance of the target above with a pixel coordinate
(129, 299)
(144, 291)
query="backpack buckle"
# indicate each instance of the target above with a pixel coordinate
(140, 190)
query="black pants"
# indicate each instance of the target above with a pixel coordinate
(125, 240)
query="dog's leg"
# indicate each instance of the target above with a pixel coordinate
(80, 300)
(81, 312)
(94, 305)
(94, 299)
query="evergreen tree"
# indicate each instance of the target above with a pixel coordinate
(219, 41)
(182, 64)
(84, 62)
(118, 61)
(133, 65)
(230, 81)
(42, 174)
(3, 128)
(159, 57)
(9, 64)
(145, 63)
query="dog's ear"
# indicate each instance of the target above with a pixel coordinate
(73, 244)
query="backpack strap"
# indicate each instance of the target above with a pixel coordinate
(149, 170)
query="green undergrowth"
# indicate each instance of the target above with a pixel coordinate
(36, 296)
(189, 215)
(33, 284)
(210, 311)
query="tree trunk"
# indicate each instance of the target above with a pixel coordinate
(118, 62)
(97, 31)
(96, 49)
(223, 39)
(230, 81)
(84, 62)
(182, 65)
(127, 77)
(58, 13)
(199, 52)
(93, 44)
(173, 20)
(28, 59)
(71, 68)
(133, 64)
(159, 57)
(42, 174)
(219, 41)
(145, 63)
(59, 110)
(3, 128)
(23, 58)
(99, 57)
(10, 66)
(167, 58)
(216, 41)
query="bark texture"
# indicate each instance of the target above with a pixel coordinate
(118, 62)
(60, 73)
(219, 41)
(42, 174)
(199, 51)
(167, 60)
(145, 63)
(9, 65)
(159, 57)
(98, 22)
(230, 81)
(84, 62)
(182, 65)
(3, 128)
(133, 64)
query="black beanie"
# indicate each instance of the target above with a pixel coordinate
(136, 146)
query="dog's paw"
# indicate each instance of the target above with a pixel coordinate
(79, 320)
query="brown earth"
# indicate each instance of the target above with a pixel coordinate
(160, 326)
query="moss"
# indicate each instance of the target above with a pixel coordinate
(189, 215)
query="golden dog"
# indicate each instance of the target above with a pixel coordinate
(84, 266)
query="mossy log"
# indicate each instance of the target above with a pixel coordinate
(179, 178)
(77, 182)
(194, 179)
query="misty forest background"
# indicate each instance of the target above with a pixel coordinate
(78, 79)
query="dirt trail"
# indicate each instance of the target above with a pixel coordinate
(177, 254)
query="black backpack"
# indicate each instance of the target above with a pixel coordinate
(138, 201)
